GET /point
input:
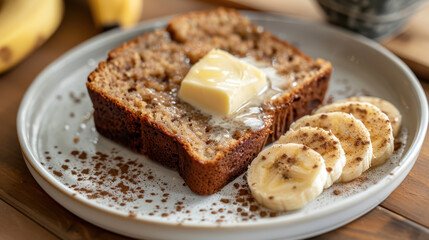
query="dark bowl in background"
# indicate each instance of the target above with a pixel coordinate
(376, 19)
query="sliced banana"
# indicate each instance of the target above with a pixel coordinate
(323, 142)
(375, 121)
(354, 138)
(386, 107)
(287, 176)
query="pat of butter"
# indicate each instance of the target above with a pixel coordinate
(220, 83)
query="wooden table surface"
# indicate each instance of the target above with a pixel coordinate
(27, 212)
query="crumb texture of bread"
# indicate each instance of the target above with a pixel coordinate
(134, 93)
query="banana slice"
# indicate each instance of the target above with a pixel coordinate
(353, 136)
(286, 176)
(323, 142)
(375, 121)
(386, 107)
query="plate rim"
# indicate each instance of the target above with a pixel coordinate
(407, 158)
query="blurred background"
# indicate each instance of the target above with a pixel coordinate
(399, 25)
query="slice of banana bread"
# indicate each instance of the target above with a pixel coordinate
(134, 93)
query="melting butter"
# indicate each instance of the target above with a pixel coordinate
(249, 114)
(220, 83)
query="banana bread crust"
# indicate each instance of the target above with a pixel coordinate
(140, 135)
(136, 131)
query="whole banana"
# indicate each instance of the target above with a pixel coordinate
(25, 25)
(112, 13)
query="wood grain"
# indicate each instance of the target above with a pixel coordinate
(411, 198)
(412, 45)
(380, 223)
(17, 226)
(19, 190)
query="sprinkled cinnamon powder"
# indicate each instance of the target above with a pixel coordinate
(337, 192)
(121, 180)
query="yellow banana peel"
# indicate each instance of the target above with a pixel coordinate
(111, 13)
(25, 25)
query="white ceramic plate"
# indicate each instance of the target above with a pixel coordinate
(116, 189)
